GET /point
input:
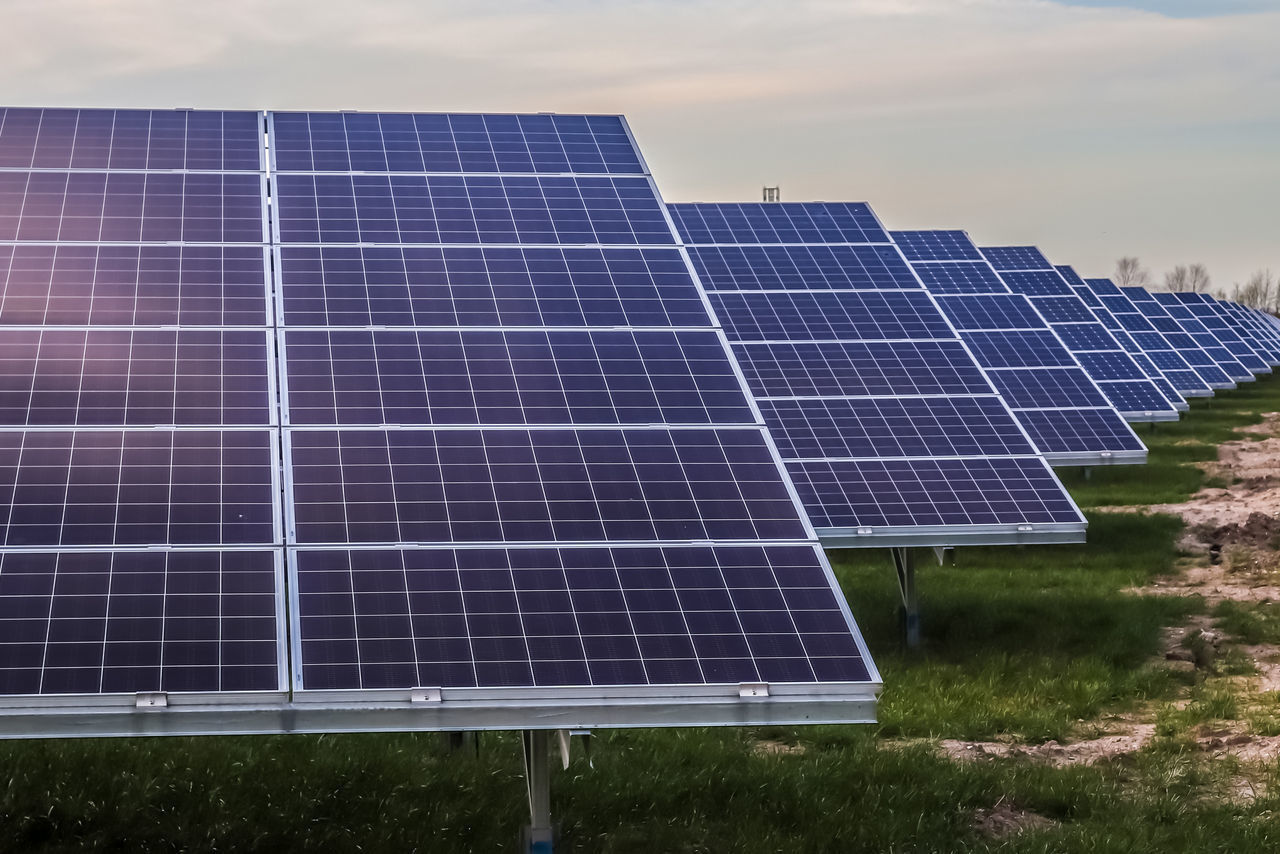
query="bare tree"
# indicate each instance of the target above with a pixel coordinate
(1198, 278)
(1259, 292)
(1130, 272)
(1178, 279)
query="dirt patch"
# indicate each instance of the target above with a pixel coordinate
(1087, 752)
(770, 747)
(1004, 819)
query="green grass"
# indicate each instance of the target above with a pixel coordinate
(1030, 643)
(1250, 622)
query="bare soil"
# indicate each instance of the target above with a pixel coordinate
(1004, 819)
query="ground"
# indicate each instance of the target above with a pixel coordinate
(1120, 695)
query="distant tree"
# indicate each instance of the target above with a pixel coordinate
(1177, 279)
(1198, 278)
(1261, 291)
(1129, 271)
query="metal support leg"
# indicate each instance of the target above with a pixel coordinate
(1088, 472)
(905, 563)
(537, 835)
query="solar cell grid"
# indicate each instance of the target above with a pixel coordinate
(1133, 395)
(856, 369)
(524, 377)
(196, 140)
(799, 315)
(131, 207)
(491, 286)
(1079, 431)
(1110, 366)
(105, 285)
(744, 268)
(1036, 283)
(130, 621)
(1080, 337)
(1007, 258)
(571, 616)
(137, 487)
(1048, 387)
(960, 278)
(990, 311)
(443, 142)
(781, 222)
(418, 486)
(894, 427)
(849, 493)
(936, 246)
(996, 349)
(1065, 309)
(119, 377)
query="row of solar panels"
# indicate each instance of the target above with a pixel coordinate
(334, 421)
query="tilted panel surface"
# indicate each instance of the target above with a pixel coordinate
(852, 369)
(518, 453)
(142, 527)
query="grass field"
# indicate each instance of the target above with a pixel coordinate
(1027, 643)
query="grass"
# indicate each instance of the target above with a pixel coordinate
(1029, 643)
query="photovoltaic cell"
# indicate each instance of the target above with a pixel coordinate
(839, 369)
(782, 222)
(806, 268)
(192, 140)
(960, 278)
(990, 311)
(571, 616)
(131, 207)
(418, 486)
(800, 315)
(1004, 258)
(467, 209)
(342, 376)
(104, 622)
(936, 246)
(132, 285)
(491, 286)
(457, 142)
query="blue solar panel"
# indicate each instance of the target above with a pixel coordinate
(1048, 388)
(990, 311)
(142, 522)
(107, 622)
(1064, 310)
(1110, 366)
(784, 222)
(346, 376)
(1085, 336)
(1019, 349)
(466, 209)
(1036, 283)
(1004, 258)
(596, 411)
(936, 246)
(571, 616)
(442, 142)
(800, 315)
(125, 285)
(490, 286)
(1231, 369)
(839, 369)
(131, 207)
(532, 486)
(1080, 430)
(1137, 395)
(1205, 308)
(894, 427)
(809, 268)
(849, 493)
(192, 140)
(960, 278)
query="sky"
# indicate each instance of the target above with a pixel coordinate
(1093, 128)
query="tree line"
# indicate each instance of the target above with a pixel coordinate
(1261, 290)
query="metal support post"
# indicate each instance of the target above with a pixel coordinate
(905, 563)
(1088, 472)
(537, 835)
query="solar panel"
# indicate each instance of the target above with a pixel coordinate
(522, 467)
(1194, 326)
(1250, 328)
(1171, 349)
(1022, 356)
(142, 523)
(1205, 308)
(887, 424)
(1137, 389)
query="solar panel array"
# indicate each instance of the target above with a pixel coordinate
(451, 408)
(1252, 329)
(1068, 418)
(1206, 310)
(1168, 346)
(1195, 327)
(1137, 390)
(1188, 349)
(889, 428)
(141, 545)
(519, 458)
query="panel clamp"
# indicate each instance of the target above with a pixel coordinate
(746, 690)
(425, 695)
(151, 700)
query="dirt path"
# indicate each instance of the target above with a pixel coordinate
(1232, 534)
